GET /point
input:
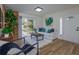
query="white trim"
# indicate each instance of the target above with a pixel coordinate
(61, 25)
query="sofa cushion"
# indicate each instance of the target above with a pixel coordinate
(42, 30)
(50, 30)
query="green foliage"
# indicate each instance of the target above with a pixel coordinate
(6, 30)
(9, 13)
(10, 18)
(49, 21)
(31, 25)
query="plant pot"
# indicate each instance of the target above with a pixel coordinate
(6, 35)
(0, 32)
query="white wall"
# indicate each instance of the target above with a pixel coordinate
(69, 27)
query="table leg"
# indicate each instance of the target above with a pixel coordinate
(37, 46)
(24, 41)
(31, 36)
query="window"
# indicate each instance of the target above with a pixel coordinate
(27, 26)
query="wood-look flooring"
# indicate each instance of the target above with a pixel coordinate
(60, 47)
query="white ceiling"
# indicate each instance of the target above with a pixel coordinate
(47, 8)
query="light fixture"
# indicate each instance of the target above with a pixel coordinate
(38, 9)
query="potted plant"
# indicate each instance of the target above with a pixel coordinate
(6, 31)
(10, 19)
(0, 32)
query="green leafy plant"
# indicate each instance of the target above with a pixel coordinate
(10, 19)
(7, 30)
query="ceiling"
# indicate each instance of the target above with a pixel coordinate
(47, 8)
